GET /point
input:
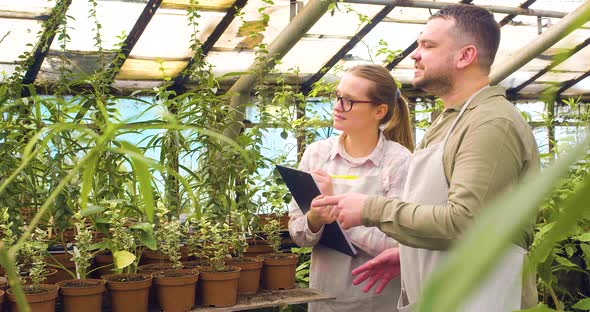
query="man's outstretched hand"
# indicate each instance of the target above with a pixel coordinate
(382, 269)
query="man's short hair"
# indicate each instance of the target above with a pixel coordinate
(479, 24)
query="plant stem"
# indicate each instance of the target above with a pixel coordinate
(7, 261)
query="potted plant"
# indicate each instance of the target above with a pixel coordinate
(174, 287)
(218, 283)
(40, 297)
(129, 291)
(82, 294)
(249, 281)
(278, 271)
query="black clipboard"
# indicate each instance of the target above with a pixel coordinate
(303, 188)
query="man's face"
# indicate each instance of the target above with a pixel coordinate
(434, 57)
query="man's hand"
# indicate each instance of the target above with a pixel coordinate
(382, 269)
(347, 207)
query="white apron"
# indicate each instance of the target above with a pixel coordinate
(331, 270)
(427, 184)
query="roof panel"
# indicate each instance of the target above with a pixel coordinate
(228, 62)
(168, 34)
(29, 8)
(81, 64)
(347, 18)
(15, 35)
(249, 29)
(115, 17)
(136, 69)
(220, 5)
(322, 50)
(6, 70)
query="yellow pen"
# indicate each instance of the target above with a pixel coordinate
(346, 177)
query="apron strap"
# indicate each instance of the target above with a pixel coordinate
(463, 109)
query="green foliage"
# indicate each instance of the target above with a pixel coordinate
(272, 229)
(83, 249)
(168, 234)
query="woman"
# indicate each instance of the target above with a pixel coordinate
(370, 156)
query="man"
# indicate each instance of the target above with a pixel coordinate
(477, 147)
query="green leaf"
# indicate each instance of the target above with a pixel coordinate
(146, 234)
(565, 262)
(584, 237)
(92, 209)
(539, 308)
(123, 259)
(144, 177)
(583, 304)
(474, 257)
(586, 250)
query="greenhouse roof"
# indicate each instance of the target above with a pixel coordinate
(159, 38)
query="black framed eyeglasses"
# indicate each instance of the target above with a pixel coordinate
(346, 102)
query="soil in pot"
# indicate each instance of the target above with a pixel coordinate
(82, 295)
(218, 289)
(41, 297)
(251, 268)
(176, 289)
(278, 271)
(129, 292)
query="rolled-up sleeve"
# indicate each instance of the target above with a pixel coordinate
(489, 159)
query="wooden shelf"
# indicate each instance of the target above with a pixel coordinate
(272, 298)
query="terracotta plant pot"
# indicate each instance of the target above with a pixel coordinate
(249, 274)
(176, 289)
(218, 289)
(61, 259)
(153, 268)
(278, 271)
(41, 298)
(104, 264)
(129, 292)
(82, 295)
(150, 256)
(50, 277)
(195, 264)
(257, 248)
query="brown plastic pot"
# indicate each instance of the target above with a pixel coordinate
(50, 277)
(129, 292)
(218, 289)
(257, 248)
(176, 289)
(41, 297)
(195, 264)
(1, 299)
(150, 256)
(249, 281)
(62, 259)
(104, 264)
(82, 295)
(278, 271)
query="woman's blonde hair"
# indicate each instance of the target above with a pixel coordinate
(385, 91)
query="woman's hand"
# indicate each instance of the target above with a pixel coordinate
(319, 215)
(323, 181)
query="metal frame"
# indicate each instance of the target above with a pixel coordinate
(142, 21)
(439, 5)
(570, 83)
(306, 86)
(553, 64)
(184, 75)
(42, 48)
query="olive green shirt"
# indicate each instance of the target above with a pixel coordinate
(490, 149)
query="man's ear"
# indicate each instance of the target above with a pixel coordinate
(381, 111)
(467, 56)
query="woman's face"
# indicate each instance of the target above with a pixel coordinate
(362, 115)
